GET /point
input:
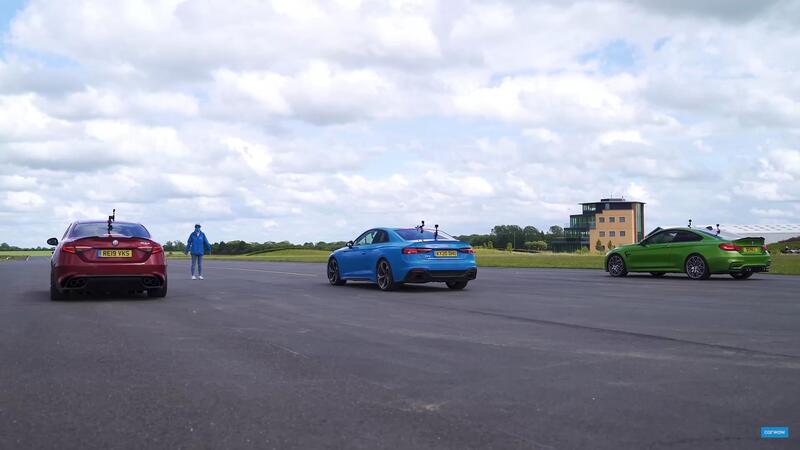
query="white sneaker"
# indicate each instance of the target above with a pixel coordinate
(201, 277)
(194, 277)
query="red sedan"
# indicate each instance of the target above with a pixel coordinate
(98, 256)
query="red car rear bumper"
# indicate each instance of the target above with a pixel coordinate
(134, 276)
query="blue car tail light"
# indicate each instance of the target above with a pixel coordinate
(416, 250)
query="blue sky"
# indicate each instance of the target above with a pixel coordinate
(8, 9)
(314, 120)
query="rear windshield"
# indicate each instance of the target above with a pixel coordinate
(723, 235)
(82, 230)
(412, 234)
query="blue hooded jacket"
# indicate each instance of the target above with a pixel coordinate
(198, 245)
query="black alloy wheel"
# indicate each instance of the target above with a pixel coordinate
(158, 292)
(456, 285)
(743, 275)
(616, 266)
(334, 277)
(55, 294)
(384, 276)
(697, 268)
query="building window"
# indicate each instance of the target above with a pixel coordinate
(602, 234)
(621, 234)
(602, 220)
(611, 234)
(622, 219)
(611, 219)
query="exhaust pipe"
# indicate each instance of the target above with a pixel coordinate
(151, 281)
(76, 283)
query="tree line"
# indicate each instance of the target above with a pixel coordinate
(237, 247)
(4, 247)
(515, 237)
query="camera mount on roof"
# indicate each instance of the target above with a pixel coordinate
(436, 232)
(690, 223)
(111, 220)
(421, 228)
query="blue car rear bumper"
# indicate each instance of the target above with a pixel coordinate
(420, 275)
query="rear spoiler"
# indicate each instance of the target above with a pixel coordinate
(754, 238)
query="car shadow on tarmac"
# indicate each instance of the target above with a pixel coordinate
(675, 277)
(435, 287)
(44, 296)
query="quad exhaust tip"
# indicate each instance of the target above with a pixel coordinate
(151, 281)
(76, 283)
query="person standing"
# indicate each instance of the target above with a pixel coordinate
(198, 246)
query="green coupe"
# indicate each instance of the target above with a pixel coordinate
(696, 252)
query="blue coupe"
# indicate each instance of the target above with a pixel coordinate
(393, 256)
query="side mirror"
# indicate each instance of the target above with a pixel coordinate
(52, 241)
(350, 244)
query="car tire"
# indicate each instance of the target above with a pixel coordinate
(55, 294)
(384, 277)
(742, 275)
(658, 274)
(456, 285)
(334, 275)
(616, 266)
(696, 268)
(160, 292)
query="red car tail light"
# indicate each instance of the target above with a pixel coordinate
(467, 250)
(75, 248)
(152, 249)
(729, 247)
(415, 250)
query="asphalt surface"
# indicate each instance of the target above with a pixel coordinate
(268, 355)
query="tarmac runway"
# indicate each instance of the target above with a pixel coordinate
(269, 355)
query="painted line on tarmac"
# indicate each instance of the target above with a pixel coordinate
(269, 271)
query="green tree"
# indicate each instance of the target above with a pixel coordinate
(610, 245)
(509, 247)
(599, 246)
(556, 231)
(504, 234)
(536, 245)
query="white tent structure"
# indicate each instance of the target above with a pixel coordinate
(771, 233)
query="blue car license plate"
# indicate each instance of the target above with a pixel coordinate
(445, 253)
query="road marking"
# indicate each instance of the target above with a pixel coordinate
(269, 271)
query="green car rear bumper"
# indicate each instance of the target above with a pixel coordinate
(732, 263)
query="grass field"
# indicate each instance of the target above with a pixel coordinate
(499, 258)
(781, 264)
(10, 256)
(294, 255)
(23, 254)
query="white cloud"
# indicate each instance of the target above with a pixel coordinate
(617, 136)
(542, 134)
(23, 200)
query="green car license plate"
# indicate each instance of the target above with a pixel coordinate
(751, 249)
(445, 253)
